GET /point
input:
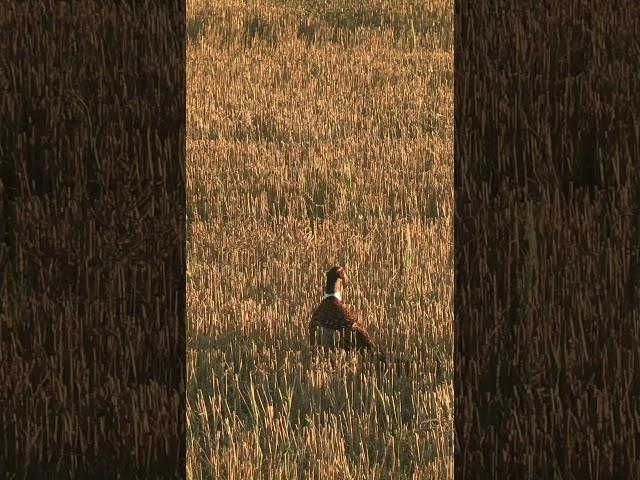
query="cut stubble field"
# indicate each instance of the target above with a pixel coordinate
(319, 133)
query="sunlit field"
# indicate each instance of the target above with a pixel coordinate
(319, 133)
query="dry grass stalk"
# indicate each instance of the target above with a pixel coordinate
(318, 135)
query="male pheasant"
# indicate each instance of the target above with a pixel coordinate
(333, 325)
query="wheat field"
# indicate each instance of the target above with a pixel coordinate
(319, 133)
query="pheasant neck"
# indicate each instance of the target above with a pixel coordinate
(333, 288)
(338, 295)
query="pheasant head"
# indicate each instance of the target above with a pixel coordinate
(335, 278)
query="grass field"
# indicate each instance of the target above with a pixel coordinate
(318, 133)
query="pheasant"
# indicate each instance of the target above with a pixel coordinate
(332, 316)
(333, 325)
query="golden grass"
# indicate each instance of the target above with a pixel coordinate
(318, 134)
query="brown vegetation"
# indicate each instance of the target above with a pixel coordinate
(92, 288)
(547, 240)
(318, 133)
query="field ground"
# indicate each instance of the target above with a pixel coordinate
(318, 133)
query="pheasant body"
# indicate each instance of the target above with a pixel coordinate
(333, 325)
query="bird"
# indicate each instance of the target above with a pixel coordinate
(334, 326)
(333, 316)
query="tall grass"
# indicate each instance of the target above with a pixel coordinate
(318, 133)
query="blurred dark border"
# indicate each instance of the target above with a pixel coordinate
(547, 233)
(92, 262)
